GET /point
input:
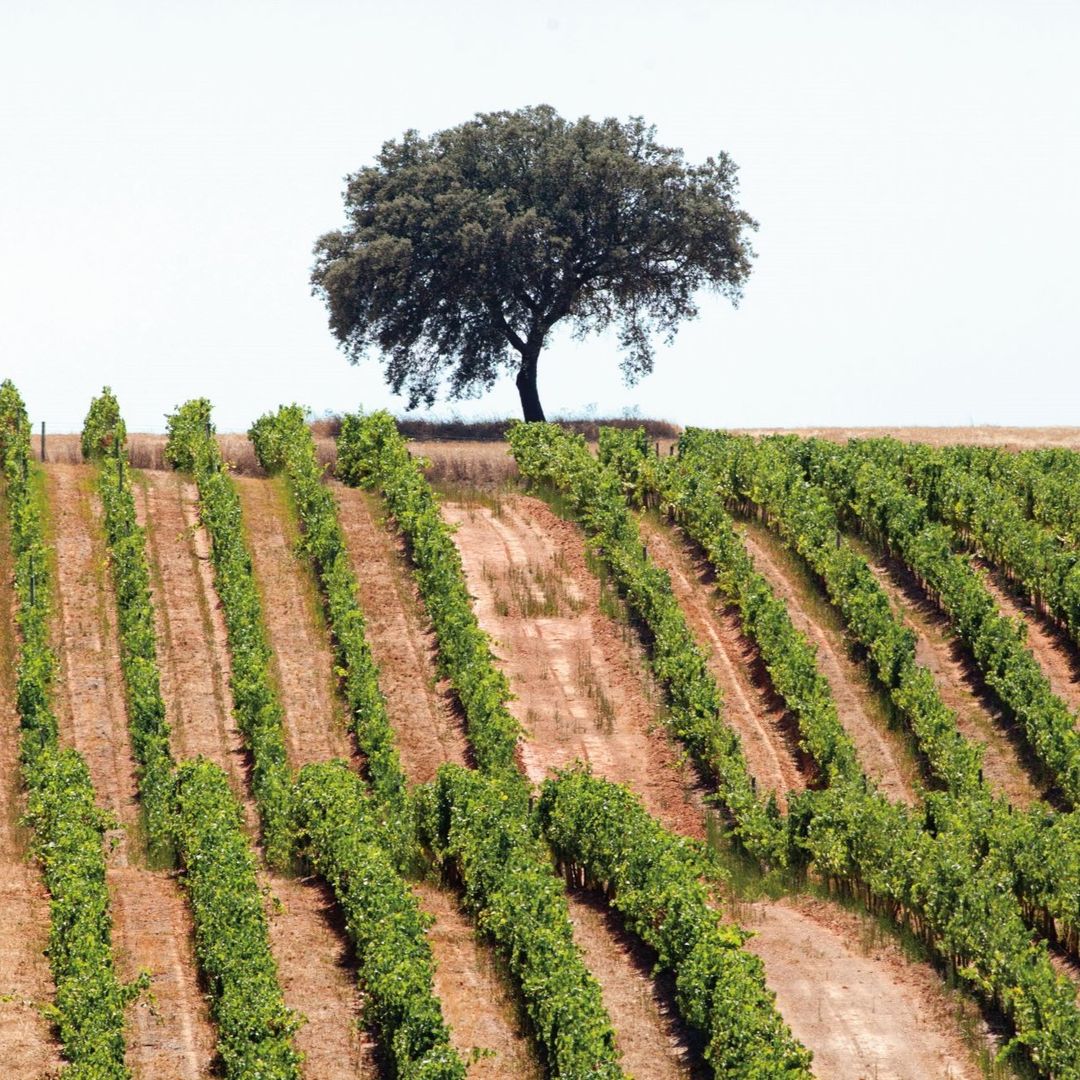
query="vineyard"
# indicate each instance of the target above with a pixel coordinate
(732, 756)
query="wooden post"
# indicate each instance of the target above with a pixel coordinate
(32, 583)
(42, 440)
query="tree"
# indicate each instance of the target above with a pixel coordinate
(463, 250)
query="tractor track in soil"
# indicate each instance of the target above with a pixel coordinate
(524, 536)
(767, 731)
(315, 966)
(882, 753)
(169, 1035)
(27, 1046)
(980, 717)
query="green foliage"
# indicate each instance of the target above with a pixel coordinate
(789, 657)
(965, 872)
(255, 1028)
(126, 540)
(481, 826)
(373, 454)
(68, 827)
(283, 442)
(654, 880)
(866, 479)
(340, 835)
(103, 428)
(765, 476)
(191, 447)
(466, 248)
(546, 453)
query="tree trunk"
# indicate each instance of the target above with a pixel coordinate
(526, 384)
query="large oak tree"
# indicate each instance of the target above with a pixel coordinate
(463, 250)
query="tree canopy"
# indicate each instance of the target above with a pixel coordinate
(461, 251)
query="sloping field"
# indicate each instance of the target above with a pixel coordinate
(315, 969)
(151, 926)
(585, 686)
(581, 694)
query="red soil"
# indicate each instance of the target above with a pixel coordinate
(522, 543)
(767, 732)
(27, 1046)
(312, 956)
(881, 752)
(420, 705)
(303, 661)
(151, 924)
(978, 715)
(1051, 646)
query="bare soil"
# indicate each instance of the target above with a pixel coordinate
(882, 752)
(767, 731)
(648, 1032)
(577, 675)
(1049, 643)
(427, 726)
(303, 661)
(27, 1046)
(979, 715)
(317, 975)
(476, 1000)
(853, 997)
(521, 542)
(152, 929)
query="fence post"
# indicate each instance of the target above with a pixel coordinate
(43, 440)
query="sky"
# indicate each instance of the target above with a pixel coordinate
(166, 168)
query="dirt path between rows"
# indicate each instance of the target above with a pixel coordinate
(1050, 645)
(316, 971)
(420, 705)
(979, 715)
(303, 662)
(864, 1009)
(882, 753)
(578, 676)
(27, 1046)
(767, 731)
(476, 999)
(581, 695)
(173, 1036)
(525, 557)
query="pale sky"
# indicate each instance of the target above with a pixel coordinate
(915, 168)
